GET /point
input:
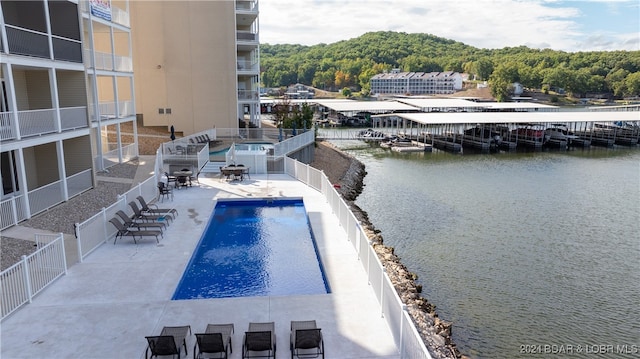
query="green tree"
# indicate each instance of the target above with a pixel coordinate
(484, 68)
(632, 83)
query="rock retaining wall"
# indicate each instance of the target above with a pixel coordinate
(435, 332)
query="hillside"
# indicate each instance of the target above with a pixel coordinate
(351, 64)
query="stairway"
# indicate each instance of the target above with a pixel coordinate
(212, 167)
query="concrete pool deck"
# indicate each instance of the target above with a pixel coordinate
(105, 306)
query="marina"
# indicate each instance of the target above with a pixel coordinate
(493, 131)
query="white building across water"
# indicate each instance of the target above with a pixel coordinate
(416, 83)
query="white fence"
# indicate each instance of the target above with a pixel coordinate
(394, 311)
(22, 281)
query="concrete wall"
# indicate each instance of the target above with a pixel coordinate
(184, 57)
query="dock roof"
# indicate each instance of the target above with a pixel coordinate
(433, 118)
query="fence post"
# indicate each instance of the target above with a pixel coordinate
(369, 249)
(402, 315)
(27, 277)
(76, 229)
(384, 272)
(14, 210)
(64, 253)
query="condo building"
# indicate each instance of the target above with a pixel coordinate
(196, 63)
(416, 83)
(76, 76)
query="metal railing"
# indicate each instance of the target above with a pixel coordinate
(108, 61)
(25, 279)
(248, 95)
(37, 122)
(6, 126)
(247, 5)
(73, 118)
(120, 16)
(248, 65)
(246, 36)
(12, 211)
(392, 308)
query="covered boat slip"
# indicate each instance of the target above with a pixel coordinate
(451, 130)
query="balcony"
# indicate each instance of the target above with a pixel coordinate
(108, 110)
(41, 122)
(116, 15)
(248, 66)
(248, 95)
(246, 36)
(108, 62)
(247, 6)
(32, 43)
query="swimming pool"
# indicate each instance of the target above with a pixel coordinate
(254, 248)
(247, 146)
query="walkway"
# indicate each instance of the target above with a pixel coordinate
(105, 306)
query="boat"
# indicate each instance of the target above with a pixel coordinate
(559, 131)
(484, 134)
(370, 134)
(559, 135)
(531, 132)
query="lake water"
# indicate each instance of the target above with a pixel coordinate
(526, 253)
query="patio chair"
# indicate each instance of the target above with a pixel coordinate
(169, 342)
(306, 340)
(170, 179)
(261, 337)
(215, 340)
(147, 217)
(130, 223)
(164, 191)
(154, 209)
(124, 231)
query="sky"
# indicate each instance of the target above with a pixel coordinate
(582, 25)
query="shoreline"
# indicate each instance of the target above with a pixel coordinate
(347, 173)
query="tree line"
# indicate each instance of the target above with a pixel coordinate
(351, 64)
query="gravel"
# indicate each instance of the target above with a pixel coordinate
(63, 217)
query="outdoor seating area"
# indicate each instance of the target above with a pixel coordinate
(144, 222)
(234, 172)
(259, 341)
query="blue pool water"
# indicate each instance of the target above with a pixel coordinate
(254, 248)
(248, 146)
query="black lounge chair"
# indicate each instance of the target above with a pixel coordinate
(153, 208)
(130, 223)
(261, 338)
(306, 340)
(215, 340)
(124, 231)
(147, 217)
(169, 342)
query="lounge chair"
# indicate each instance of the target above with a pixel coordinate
(261, 337)
(147, 217)
(169, 342)
(306, 340)
(124, 231)
(153, 208)
(215, 340)
(130, 223)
